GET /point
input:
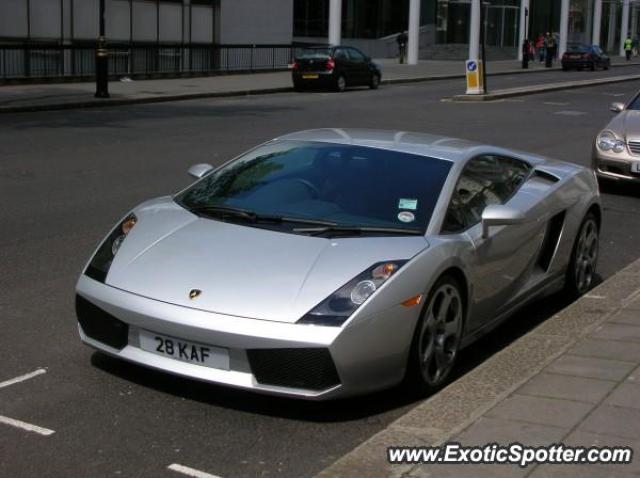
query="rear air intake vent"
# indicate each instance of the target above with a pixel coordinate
(550, 241)
(100, 325)
(546, 176)
(311, 369)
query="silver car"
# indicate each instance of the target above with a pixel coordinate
(616, 149)
(334, 262)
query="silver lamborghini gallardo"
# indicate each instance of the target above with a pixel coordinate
(335, 262)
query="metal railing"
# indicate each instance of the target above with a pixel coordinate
(50, 61)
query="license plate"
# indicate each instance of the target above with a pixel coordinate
(635, 167)
(184, 350)
(310, 77)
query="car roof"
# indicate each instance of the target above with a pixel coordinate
(422, 144)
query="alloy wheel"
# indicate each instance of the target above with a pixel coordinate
(586, 256)
(440, 334)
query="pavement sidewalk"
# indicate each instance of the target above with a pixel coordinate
(51, 96)
(575, 379)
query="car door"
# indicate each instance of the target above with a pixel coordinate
(500, 264)
(360, 66)
(343, 63)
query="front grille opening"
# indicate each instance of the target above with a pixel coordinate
(100, 325)
(634, 147)
(305, 368)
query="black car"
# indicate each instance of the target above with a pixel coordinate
(581, 56)
(335, 68)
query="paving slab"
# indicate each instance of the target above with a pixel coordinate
(616, 421)
(541, 410)
(625, 395)
(579, 389)
(590, 367)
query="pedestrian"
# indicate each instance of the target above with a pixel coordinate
(628, 47)
(540, 47)
(402, 40)
(550, 49)
(635, 46)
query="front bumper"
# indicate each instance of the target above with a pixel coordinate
(616, 167)
(304, 361)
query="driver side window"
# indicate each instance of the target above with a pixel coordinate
(485, 180)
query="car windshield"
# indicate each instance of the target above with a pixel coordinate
(314, 53)
(334, 184)
(578, 49)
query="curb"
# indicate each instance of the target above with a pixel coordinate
(95, 103)
(537, 89)
(457, 406)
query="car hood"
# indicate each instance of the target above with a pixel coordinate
(241, 271)
(626, 125)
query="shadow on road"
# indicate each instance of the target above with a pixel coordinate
(337, 410)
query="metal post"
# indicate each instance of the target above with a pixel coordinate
(524, 50)
(624, 27)
(564, 27)
(102, 60)
(413, 45)
(474, 33)
(524, 12)
(335, 21)
(483, 34)
(597, 20)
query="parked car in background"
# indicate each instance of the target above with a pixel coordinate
(579, 56)
(334, 67)
(616, 149)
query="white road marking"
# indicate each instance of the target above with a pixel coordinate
(593, 296)
(22, 378)
(614, 94)
(26, 426)
(556, 103)
(185, 470)
(570, 113)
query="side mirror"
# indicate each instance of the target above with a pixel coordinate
(199, 170)
(616, 107)
(500, 215)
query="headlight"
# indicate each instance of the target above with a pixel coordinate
(339, 306)
(101, 262)
(607, 141)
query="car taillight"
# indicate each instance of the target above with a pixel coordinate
(587, 56)
(295, 65)
(331, 64)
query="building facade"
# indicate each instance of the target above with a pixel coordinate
(445, 23)
(148, 21)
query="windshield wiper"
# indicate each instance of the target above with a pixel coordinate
(255, 217)
(357, 230)
(225, 211)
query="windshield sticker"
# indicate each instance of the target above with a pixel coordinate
(406, 216)
(408, 204)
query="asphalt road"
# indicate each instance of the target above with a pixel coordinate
(65, 177)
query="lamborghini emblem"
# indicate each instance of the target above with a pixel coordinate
(194, 293)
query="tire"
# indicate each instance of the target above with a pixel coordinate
(565, 68)
(298, 87)
(340, 84)
(438, 333)
(607, 65)
(374, 84)
(592, 67)
(584, 257)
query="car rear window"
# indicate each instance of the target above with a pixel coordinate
(313, 53)
(578, 49)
